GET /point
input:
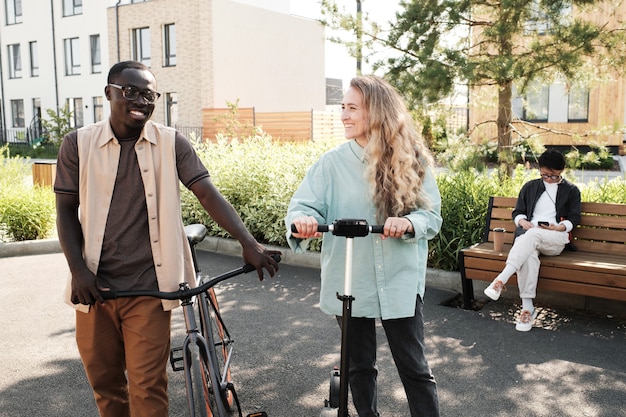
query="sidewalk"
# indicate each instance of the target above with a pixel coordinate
(571, 364)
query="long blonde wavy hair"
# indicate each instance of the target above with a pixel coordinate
(397, 157)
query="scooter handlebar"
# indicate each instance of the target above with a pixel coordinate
(347, 228)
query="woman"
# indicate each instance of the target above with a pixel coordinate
(383, 175)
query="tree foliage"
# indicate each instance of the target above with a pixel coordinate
(59, 124)
(502, 43)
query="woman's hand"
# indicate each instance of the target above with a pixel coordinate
(306, 226)
(396, 227)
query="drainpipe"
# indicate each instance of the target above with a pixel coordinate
(359, 37)
(117, 28)
(3, 122)
(54, 57)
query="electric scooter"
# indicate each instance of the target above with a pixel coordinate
(337, 403)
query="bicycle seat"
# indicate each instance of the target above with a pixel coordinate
(195, 233)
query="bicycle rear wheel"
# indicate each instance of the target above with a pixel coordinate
(202, 389)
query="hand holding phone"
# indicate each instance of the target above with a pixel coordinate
(544, 224)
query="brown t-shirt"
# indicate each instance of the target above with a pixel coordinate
(126, 261)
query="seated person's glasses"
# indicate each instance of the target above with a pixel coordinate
(132, 93)
(552, 177)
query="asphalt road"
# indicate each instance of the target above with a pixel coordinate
(571, 365)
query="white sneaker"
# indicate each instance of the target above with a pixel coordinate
(526, 320)
(494, 289)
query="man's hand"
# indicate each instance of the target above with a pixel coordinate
(261, 258)
(85, 289)
(525, 224)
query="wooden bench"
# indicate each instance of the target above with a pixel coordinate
(597, 268)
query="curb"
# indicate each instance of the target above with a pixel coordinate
(29, 247)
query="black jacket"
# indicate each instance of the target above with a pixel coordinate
(568, 204)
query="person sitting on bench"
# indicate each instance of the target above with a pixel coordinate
(547, 209)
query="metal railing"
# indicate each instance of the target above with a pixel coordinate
(22, 135)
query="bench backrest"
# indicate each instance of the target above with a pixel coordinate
(602, 227)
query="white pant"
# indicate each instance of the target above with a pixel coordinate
(524, 256)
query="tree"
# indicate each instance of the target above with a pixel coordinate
(58, 125)
(502, 43)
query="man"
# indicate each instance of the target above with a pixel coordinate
(547, 209)
(120, 228)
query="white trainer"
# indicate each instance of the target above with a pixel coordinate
(494, 289)
(526, 320)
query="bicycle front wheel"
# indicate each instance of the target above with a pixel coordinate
(203, 387)
(220, 348)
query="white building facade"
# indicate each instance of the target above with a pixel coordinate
(204, 54)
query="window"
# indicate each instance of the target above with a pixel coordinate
(171, 109)
(15, 61)
(34, 59)
(540, 20)
(96, 60)
(72, 7)
(75, 105)
(169, 44)
(97, 109)
(72, 56)
(578, 105)
(536, 103)
(17, 113)
(141, 45)
(13, 11)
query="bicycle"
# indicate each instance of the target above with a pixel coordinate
(207, 348)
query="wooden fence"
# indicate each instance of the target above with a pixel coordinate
(289, 126)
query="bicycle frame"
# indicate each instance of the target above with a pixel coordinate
(201, 362)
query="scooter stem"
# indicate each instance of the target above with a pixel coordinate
(347, 299)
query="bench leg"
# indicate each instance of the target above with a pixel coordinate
(467, 285)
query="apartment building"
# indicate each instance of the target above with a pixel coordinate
(204, 54)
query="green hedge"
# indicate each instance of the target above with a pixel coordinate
(259, 177)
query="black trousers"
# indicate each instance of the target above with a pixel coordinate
(406, 341)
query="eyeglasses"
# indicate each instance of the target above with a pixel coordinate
(552, 177)
(132, 93)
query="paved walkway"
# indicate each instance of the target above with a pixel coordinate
(571, 365)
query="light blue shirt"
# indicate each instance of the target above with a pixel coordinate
(387, 274)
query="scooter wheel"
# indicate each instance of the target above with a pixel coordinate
(333, 396)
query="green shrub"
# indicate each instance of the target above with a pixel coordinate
(464, 199)
(13, 169)
(598, 157)
(258, 177)
(27, 213)
(602, 191)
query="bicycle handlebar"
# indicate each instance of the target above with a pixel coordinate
(347, 228)
(183, 290)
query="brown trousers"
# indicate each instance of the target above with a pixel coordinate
(127, 336)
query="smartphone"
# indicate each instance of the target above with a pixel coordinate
(546, 224)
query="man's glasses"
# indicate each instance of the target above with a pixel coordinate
(552, 177)
(132, 93)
